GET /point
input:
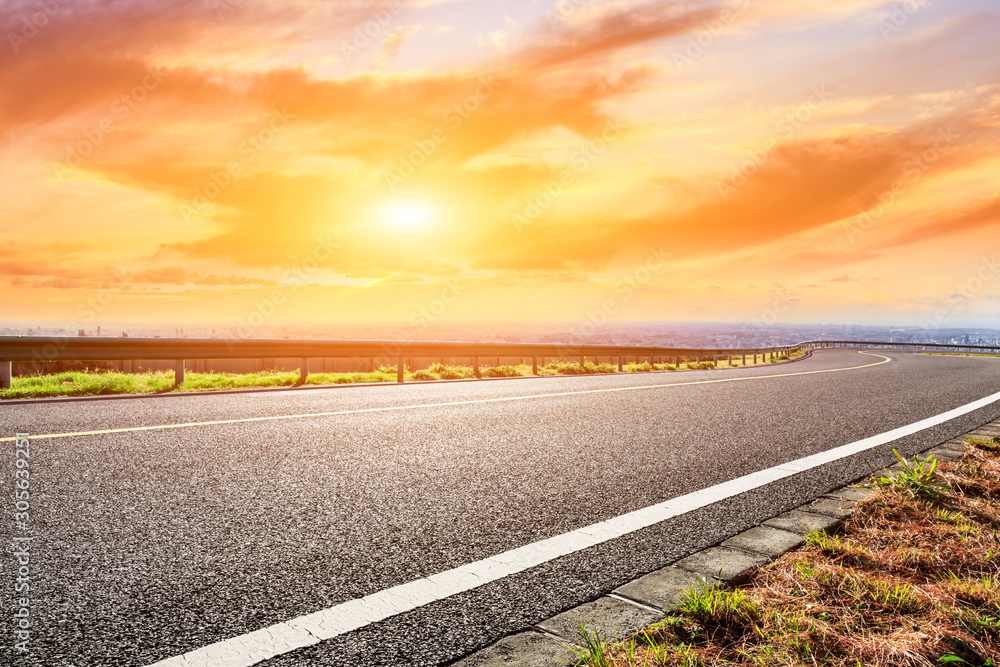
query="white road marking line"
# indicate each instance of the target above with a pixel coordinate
(266, 643)
(158, 427)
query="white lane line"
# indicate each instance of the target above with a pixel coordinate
(392, 408)
(251, 648)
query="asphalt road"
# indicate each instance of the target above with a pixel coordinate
(151, 543)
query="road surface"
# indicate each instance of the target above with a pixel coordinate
(164, 525)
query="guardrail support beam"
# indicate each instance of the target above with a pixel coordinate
(399, 370)
(5, 374)
(304, 370)
(179, 372)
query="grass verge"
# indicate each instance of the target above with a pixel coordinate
(104, 383)
(960, 354)
(912, 580)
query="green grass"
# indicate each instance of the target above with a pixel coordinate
(960, 354)
(79, 383)
(106, 382)
(916, 478)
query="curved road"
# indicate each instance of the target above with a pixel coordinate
(163, 525)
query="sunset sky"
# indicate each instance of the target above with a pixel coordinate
(346, 160)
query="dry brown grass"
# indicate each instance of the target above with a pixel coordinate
(908, 582)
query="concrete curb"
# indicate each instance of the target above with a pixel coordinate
(639, 603)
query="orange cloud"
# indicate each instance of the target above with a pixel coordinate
(240, 129)
(558, 43)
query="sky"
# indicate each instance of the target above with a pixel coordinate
(324, 161)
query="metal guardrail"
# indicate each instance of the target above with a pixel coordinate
(41, 348)
(924, 347)
(67, 348)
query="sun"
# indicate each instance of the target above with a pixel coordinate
(408, 214)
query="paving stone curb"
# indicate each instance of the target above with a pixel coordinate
(641, 602)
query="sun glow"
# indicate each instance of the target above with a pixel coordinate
(408, 215)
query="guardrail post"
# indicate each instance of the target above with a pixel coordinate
(475, 366)
(534, 365)
(5, 374)
(581, 362)
(304, 370)
(399, 369)
(621, 365)
(179, 372)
